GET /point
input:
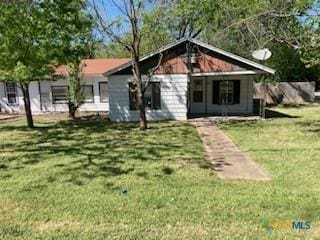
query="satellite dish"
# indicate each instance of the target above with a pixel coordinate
(262, 54)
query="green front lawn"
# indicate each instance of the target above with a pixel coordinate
(96, 180)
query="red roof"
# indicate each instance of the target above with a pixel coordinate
(95, 66)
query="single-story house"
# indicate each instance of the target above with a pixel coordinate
(51, 96)
(212, 82)
(189, 77)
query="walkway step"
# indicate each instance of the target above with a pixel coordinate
(226, 158)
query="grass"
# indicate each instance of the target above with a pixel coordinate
(93, 179)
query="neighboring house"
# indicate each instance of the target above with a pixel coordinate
(51, 96)
(218, 83)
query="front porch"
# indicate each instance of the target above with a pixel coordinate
(221, 97)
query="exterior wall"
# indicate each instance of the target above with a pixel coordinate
(173, 98)
(205, 64)
(41, 97)
(285, 92)
(246, 97)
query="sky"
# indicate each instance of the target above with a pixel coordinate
(110, 11)
(108, 6)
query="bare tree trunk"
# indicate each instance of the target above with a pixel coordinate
(132, 11)
(75, 95)
(72, 110)
(140, 95)
(27, 105)
(135, 55)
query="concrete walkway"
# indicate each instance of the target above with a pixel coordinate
(226, 158)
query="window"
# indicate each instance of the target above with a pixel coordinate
(152, 99)
(226, 92)
(11, 91)
(87, 91)
(103, 88)
(59, 94)
(197, 91)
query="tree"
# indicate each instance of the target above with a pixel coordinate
(75, 94)
(117, 30)
(73, 26)
(240, 26)
(310, 38)
(188, 18)
(289, 64)
(25, 52)
(35, 36)
(284, 27)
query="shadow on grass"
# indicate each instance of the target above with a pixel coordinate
(93, 147)
(275, 114)
(310, 126)
(296, 105)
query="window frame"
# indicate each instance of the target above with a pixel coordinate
(63, 101)
(101, 94)
(153, 107)
(14, 85)
(92, 93)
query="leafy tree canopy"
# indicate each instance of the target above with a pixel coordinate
(38, 35)
(287, 27)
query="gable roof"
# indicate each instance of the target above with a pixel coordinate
(95, 66)
(261, 68)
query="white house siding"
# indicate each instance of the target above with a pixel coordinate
(246, 97)
(41, 97)
(173, 98)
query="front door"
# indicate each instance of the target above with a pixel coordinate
(198, 95)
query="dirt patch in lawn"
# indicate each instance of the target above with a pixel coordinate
(54, 225)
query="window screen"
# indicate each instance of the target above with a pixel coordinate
(226, 92)
(87, 91)
(103, 88)
(152, 96)
(197, 91)
(11, 90)
(59, 94)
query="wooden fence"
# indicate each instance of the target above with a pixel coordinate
(285, 92)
